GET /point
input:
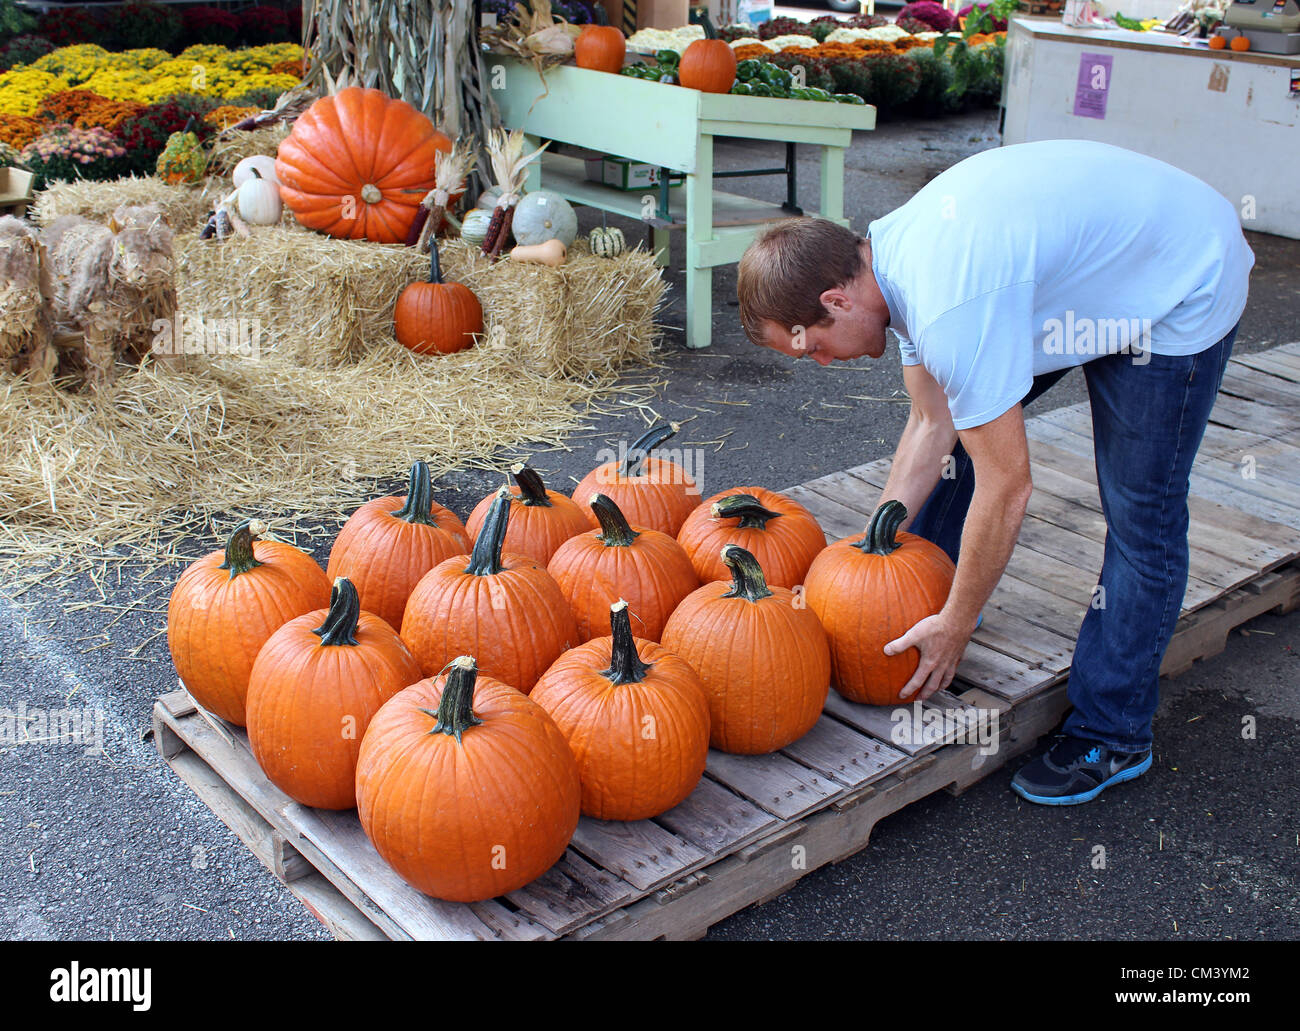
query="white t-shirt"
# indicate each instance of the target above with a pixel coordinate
(1035, 257)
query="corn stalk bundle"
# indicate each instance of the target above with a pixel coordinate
(509, 166)
(451, 168)
(423, 51)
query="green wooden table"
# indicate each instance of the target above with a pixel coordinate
(672, 127)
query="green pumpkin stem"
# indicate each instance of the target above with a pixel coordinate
(455, 713)
(886, 520)
(532, 491)
(614, 529)
(625, 665)
(239, 547)
(340, 626)
(634, 462)
(747, 579)
(752, 513)
(435, 266)
(419, 497)
(485, 559)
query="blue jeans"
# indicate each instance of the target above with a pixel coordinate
(1147, 423)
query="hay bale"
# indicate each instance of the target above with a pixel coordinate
(183, 205)
(317, 299)
(588, 318)
(26, 292)
(333, 299)
(226, 154)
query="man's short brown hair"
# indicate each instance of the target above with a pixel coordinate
(786, 270)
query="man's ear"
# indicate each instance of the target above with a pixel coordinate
(836, 300)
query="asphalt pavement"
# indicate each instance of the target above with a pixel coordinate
(111, 845)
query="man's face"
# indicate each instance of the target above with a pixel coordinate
(846, 334)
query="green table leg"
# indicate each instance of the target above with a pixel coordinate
(832, 201)
(699, 229)
(660, 243)
(534, 170)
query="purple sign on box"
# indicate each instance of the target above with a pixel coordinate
(1093, 85)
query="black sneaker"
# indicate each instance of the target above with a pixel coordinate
(1076, 770)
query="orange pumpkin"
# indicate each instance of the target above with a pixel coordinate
(357, 164)
(652, 492)
(636, 717)
(600, 47)
(597, 568)
(437, 317)
(466, 787)
(227, 604)
(389, 543)
(314, 687)
(708, 65)
(779, 532)
(540, 519)
(761, 653)
(869, 590)
(505, 609)
(1240, 43)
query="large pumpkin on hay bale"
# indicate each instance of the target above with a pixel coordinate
(869, 590)
(357, 165)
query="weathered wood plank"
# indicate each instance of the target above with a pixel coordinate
(642, 853)
(773, 782)
(842, 753)
(336, 840)
(1274, 362)
(571, 893)
(717, 820)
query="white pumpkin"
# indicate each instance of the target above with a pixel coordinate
(258, 201)
(487, 200)
(543, 216)
(244, 170)
(474, 227)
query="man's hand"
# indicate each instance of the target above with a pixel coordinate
(941, 643)
(1000, 455)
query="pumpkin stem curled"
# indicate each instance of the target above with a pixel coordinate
(614, 529)
(532, 491)
(239, 547)
(419, 497)
(752, 513)
(747, 579)
(886, 520)
(455, 713)
(485, 559)
(340, 626)
(625, 665)
(634, 462)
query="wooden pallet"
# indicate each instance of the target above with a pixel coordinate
(756, 824)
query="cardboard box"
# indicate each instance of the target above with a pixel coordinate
(623, 173)
(15, 191)
(661, 14)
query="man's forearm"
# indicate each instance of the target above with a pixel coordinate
(987, 540)
(918, 464)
